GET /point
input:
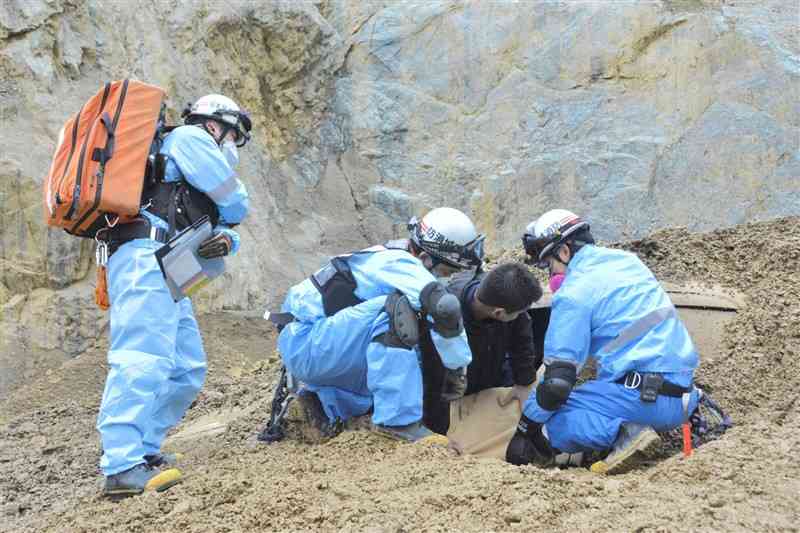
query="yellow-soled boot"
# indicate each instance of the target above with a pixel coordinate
(139, 479)
(632, 442)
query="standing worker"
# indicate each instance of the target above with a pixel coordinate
(157, 364)
(607, 304)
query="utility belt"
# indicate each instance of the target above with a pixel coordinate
(651, 384)
(138, 229)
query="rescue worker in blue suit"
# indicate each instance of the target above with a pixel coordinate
(157, 364)
(608, 305)
(353, 338)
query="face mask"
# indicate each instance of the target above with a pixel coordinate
(230, 153)
(555, 282)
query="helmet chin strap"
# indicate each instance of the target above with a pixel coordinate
(556, 257)
(225, 129)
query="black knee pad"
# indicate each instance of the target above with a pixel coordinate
(403, 323)
(555, 388)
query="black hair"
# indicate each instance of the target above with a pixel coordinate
(510, 286)
(577, 240)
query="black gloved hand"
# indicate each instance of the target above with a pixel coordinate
(528, 445)
(219, 245)
(455, 384)
(443, 307)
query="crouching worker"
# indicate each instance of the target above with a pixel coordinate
(494, 306)
(608, 304)
(352, 341)
(157, 364)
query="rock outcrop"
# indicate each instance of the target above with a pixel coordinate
(641, 115)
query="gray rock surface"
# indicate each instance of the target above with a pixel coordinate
(639, 115)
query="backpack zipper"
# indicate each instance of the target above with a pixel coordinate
(69, 158)
(99, 190)
(76, 193)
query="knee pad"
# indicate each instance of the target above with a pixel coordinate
(555, 388)
(444, 308)
(403, 323)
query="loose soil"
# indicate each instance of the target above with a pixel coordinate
(747, 480)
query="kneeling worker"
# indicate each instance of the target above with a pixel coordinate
(352, 339)
(608, 304)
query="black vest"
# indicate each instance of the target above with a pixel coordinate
(179, 204)
(335, 281)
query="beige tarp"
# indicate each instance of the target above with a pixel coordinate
(480, 426)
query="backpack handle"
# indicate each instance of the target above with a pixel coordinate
(103, 155)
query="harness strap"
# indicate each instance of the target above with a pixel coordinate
(172, 208)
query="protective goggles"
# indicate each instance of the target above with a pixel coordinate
(241, 128)
(237, 121)
(537, 250)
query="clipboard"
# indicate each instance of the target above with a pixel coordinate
(184, 271)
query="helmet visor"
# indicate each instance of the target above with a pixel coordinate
(243, 128)
(536, 250)
(473, 251)
(241, 124)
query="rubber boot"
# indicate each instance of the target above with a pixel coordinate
(139, 479)
(416, 433)
(632, 442)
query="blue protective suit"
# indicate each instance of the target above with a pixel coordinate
(337, 356)
(604, 292)
(157, 364)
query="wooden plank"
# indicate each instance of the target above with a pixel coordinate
(690, 296)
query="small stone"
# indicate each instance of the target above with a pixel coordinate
(716, 502)
(182, 507)
(11, 509)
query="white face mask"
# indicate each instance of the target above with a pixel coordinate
(231, 153)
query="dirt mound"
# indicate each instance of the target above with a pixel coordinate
(49, 449)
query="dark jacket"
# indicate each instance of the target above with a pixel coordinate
(491, 342)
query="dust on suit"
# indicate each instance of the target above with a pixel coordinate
(157, 364)
(607, 294)
(338, 357)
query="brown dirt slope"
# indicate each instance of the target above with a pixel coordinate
(358, 481)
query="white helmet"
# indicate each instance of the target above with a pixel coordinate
(223, 110)
(544, 235)
(449, 236)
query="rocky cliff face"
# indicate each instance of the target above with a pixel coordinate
(639, 115)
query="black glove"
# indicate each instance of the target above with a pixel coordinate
(528, 445)
(219, 245)
(455, 384)
(444, 308)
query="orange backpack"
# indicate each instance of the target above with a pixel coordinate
(98, 170)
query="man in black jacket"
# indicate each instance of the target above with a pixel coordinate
(494, 307)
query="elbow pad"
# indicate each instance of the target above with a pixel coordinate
(444, 308)
(555, 388)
